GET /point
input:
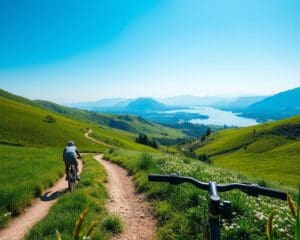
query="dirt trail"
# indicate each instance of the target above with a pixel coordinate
(125, 202)
(39, 207)
(87, 135)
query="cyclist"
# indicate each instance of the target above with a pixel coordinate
(70, 155)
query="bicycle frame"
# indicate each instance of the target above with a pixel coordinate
(72, 174)
(216, 208)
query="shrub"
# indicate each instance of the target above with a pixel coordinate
(204, 158)
(143, 139)
(163, 211)
(145, 161)
(50, 119)
(112, 224)
(111, 150)
(4, 217)
(186, 160)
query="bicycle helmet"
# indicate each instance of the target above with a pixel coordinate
(71, 143)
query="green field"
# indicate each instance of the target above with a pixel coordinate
(268, 151)
(181, 209)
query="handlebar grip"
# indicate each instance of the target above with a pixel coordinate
(158, 178)
(272, 193)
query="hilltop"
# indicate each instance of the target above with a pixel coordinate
(146, 105)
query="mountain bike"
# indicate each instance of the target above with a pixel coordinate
(72, 177)
(218, 209)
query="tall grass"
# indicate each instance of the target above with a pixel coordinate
(295, 212)
(79, 232)
(25, 172)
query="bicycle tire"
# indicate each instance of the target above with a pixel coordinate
(71, 177)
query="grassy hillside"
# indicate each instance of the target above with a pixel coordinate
(24, 124)
(181, 210)
(26, 171)
(16, 98)
(267, 151)
(31, 145)
(124, 122)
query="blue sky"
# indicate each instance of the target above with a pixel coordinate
(68, 51)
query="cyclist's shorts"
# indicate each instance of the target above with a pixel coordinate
(71, 160)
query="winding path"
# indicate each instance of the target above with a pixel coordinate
(38, 209)
(126, 203)
(87, 135)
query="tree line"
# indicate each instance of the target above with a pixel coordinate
(143, 139)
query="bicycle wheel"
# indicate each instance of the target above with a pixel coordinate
(71, 178)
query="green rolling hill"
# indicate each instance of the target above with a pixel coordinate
(31, 142)
(27, 125)
(268, 151)
(125, 122)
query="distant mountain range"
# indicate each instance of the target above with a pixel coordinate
(261, 108)
(106, 102)
(194, 101)
(240, 104)
(134, 106)
(282, 105)
(149, 109)
(178, 101)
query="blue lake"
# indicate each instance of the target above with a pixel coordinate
(218, 117)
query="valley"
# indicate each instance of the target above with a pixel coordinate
(33, 133)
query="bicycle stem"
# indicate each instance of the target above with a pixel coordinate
(214, 212)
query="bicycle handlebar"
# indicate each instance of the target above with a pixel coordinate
(248, 188)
